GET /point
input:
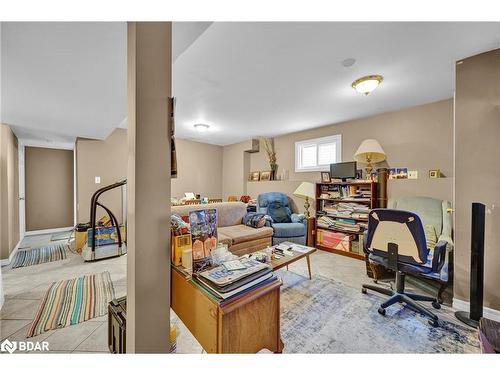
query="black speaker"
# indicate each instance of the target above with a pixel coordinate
(476, 268)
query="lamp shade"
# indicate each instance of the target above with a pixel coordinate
(370, 149)
(305, 190)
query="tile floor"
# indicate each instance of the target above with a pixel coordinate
(25, 287)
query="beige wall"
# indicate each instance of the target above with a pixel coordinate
(477, 179)
(419, 138)
(9, 191)
(235, 168)
(106, 159)
(149, 62)
(49, 192)
(199, 169)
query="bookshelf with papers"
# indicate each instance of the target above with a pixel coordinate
(342, 210)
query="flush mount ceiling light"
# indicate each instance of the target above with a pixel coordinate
(367, 84)
(201, 128)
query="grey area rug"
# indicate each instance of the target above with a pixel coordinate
(325, 316)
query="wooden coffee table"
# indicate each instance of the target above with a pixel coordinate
(284, 261)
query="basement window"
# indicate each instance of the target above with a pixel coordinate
(317, 154)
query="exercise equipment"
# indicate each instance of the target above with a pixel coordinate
(105, 241)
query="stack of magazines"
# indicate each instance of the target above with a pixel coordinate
(237, 277)
(338, 224)
(346, 210)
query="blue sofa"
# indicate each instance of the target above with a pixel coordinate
(287, 226)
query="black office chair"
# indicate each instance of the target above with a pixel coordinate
(396, 240)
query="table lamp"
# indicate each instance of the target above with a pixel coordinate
(306, 190)
(369, 152)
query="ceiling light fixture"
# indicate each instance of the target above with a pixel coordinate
(367, 84)
(201, 128)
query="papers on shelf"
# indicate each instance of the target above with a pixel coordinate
(339, 224)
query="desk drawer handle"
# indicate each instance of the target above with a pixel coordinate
(213, 313)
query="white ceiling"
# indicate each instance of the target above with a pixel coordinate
(249, 79)
(63, 80)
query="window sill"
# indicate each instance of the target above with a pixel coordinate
(317, 169)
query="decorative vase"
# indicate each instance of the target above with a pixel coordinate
(274, 169)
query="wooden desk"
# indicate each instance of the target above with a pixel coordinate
(245, 325)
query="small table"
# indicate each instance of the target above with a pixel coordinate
(284, 261)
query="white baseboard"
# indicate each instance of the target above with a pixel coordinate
(47, 231)
(487, 312)
(6, 262)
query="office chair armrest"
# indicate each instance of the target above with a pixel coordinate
(298, 218)
(439, 256)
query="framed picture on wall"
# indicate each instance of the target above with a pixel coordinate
(254, 176)
(325, 177)
(265, 176)
(402, 173)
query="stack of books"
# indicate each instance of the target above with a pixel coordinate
(339, 224)
(365, 191)
(234, 278)
(346, 210)
(349, 192)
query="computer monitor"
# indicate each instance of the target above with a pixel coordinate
(343, 170)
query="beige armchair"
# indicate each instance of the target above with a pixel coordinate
(434, 213)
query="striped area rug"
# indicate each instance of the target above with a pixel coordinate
(69, 302)
(44, 254)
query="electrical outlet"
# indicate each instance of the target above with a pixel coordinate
(97, 179)
(412, 175)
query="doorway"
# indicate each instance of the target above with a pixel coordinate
(46, 189)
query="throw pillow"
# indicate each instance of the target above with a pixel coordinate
(430, 236)
(254, 220)
(279, 213)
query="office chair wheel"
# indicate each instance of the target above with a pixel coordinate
(363, 290)
(436, 305)
(381, 311)
(433, 323)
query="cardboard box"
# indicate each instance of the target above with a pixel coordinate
(179, 244)
(105, 236)
(334, 240)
